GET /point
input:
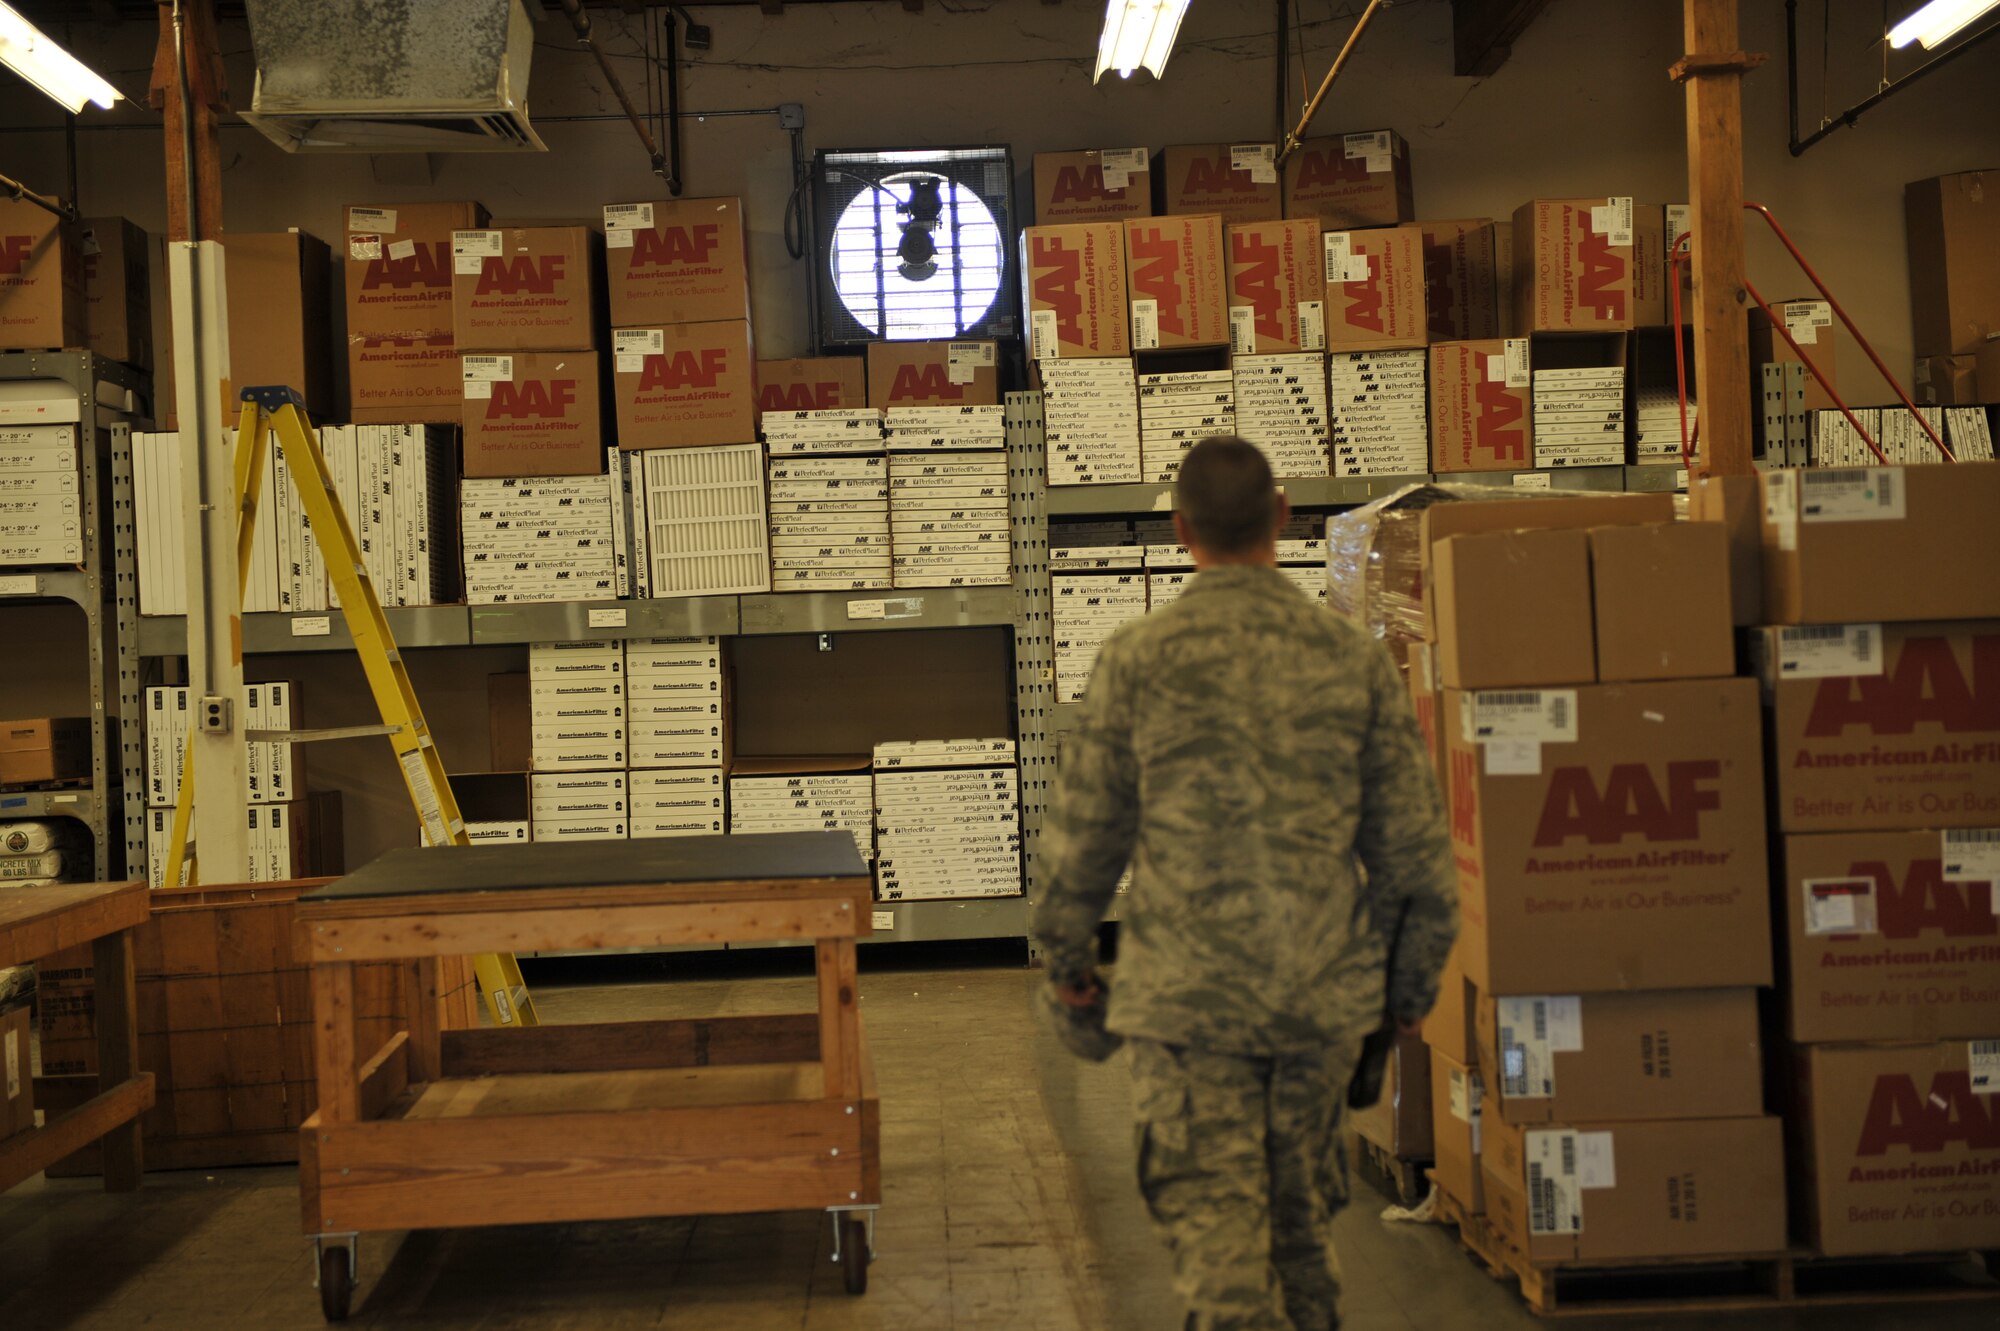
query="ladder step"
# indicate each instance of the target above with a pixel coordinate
(314, 736)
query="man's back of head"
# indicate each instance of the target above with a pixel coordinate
(1227, 508)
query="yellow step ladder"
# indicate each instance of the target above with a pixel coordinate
(281, 411)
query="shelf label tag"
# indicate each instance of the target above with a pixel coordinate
(312, 626)
(612, 618)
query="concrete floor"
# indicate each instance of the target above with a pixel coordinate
(1008, 1202)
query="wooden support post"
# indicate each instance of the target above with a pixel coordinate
(1715, 189)
(190, 122)
(117, 991)
(839, 1018)
(333, 1042)
(420, 1015)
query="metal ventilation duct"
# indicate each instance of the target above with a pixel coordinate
(384, 76)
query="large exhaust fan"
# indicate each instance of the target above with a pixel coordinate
(387, 76)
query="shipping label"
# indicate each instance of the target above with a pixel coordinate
(1259, 159)
(1983, 1056)
(1839, 906)
(1555, 1201)
(1527, 1027)
(1804, 319)
(1243, 329)
(1815, 651)
(1972, 854)
(1545, 715)
(1612, 219)
(1851, 494)
(471, 249)
(1312, 325)
(1145, 324)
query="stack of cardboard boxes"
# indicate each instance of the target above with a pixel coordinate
(402, 362)
(1952, 227)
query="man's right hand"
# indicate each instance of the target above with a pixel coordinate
(1084, 991)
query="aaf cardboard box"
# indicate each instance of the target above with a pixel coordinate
(41, 279)
(675, 261)
(1882, 944)
(533, 413)
(1457, 1095)
(1571, 512)
(1461, 292)
(1350, 180)
(1573, 266)
(1610, 837)
(1843, 545)
(1952, 228)
(685, 385)
(812, 383)
(1665, 1053)
(1884, 726)
(1735, 503)
(1650, 307)
(1238, 182)
(1400, 1121)
(1503, 275)
(1178, 284)
(1277, 287)
(1898, 1146)
(1482, 418)
(401, 366)
(1448, 1025)
(525, 289)
(1661, 596)
(117, 286)
(1074, 290)
(940, 374)
(1513, 609)
(1374, 289)
(1947, 381)
(1810, 322)
(17, 1080)
(280, 287)
(1092, 185)
(1600, 1193)
(41, 749)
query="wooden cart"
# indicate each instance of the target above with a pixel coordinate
(588, 1122)
(38, 922)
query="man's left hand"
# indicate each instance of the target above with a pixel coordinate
(1084, 991)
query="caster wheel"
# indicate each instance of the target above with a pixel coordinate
(336, 1282)
(854, 1255)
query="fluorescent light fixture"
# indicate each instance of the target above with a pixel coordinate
(1139, 34)
(1938, 22)
(29, 52)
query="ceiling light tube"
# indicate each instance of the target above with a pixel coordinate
(29, 52)
(1938, 22)
(1139, 34)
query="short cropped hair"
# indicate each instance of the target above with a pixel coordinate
(1226, 493)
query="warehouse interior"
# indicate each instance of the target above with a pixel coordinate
(756, 698)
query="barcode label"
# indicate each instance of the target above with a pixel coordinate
(1546, 715)
(1372, 144)
(1554, 1199)
(491, 368)
(1527, 1067)
(627, 216)
(1145, 324)
(1972, 854)
(1044, 329)
(1819, 650)
(1984, 1058)
(1851, 494)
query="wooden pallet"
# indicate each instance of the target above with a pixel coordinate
(1403, 1180)
(1667, 1286)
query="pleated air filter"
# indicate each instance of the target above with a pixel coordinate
(705, 520)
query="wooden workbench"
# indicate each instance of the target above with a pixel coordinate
(588, 1122)
(38, 922)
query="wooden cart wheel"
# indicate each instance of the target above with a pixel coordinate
(854, 1255)
(336, 1282)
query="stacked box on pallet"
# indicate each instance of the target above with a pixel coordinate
(1090, 414)
(1883, 606)
(1281, 406)
(1380, 417)
(804, 795)
(947, 820)
(1178, 411)
(578, 728)
(1085, 610)
(679, 734)
(830, 523)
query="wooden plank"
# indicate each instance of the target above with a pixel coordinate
(333, 1042)
(1483, 33)
(420, 1012)
(451, 1173)
(1715, 188)
(587, 928)
(854, 889)
(839, 1051)
(37, 922)
(613, 1045)
(871, 1125)
(117, 1052)
(311, 1137)
(385, 1077)
(26, 1154)
(522, 1095)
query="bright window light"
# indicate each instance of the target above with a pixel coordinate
(27, 51)
(1938, 22)
(1139, 34)
(901, 282)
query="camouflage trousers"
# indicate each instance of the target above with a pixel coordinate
(1242, 1166)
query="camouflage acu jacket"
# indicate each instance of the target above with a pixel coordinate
(1255, 759)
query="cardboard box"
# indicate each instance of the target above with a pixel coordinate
(1627, 856)
(401, 366)
(1382, 308)
(1986, 369)
(1735, 503)
(17, 1080)
(1400, 1121)
(1675, 1188)
(1667, 1053)
(510, 723)
(1898, 1147)
(526, 289)
(42, 749)
(1083, 187)
(814, 383)
(1947, 381)
(1503, 275)
(1461, 294)
(1073, 288)
(1952, 227)
(117, 286)
(1650, 308)
(1513, 609)
(1448, 1026)
(1457, 1094)
(1883, 946)
(920, 374)
(280, 316)
(533, 413)
(1661, 593)
(1277, 287)
(1206, 178)
(685, 385)
(1570, 513)
(1350, 180)
(1852, 544)
(1478, 421)
(1810, 322)
(1568, 275)
(1178, 282)
(41, 279)
(1884, 726)
(676, 261)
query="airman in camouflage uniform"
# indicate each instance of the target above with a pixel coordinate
(1255, 758)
